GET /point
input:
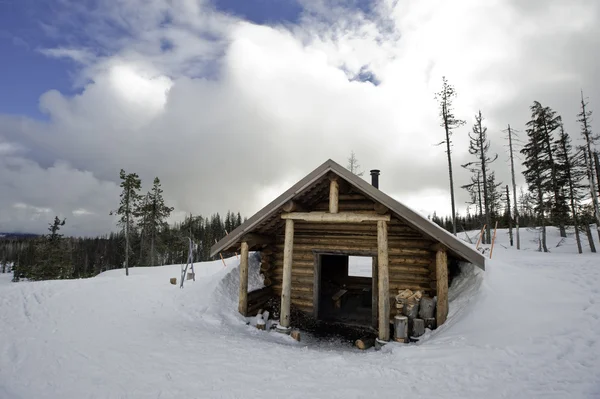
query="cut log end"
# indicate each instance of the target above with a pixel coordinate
(365, 343)
(296, 335)
(173, 280)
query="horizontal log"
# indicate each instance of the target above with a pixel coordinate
(353, 197)
(409, 270)
(406, 260)
(295, 287)
(296, 271)
(347, 206)
(409, 278)
(340, 217)
(303, 303)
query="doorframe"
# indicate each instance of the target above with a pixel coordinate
(317, 254)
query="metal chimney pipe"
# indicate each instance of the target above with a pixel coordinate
(375, 178)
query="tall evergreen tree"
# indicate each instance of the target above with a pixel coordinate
(584, 117)
(479, 146)
(154, 214)
(130, 199)
(570, 167)
(445, 97)
(546, 121)
(536, 171)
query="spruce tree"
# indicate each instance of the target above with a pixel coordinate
(546, 121)
(479, 146)
(537, 175)
(584, 117)
(570, 166)
(445, 97)
(128, 208)
(154, 214)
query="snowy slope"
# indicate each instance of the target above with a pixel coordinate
(527, 327)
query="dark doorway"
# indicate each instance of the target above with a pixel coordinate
(343, 297)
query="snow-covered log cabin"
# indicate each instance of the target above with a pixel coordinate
(307, 236)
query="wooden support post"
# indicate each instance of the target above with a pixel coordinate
(383, 278)
(441, 277)
(243, 300)
(334, 192)
(286, 286)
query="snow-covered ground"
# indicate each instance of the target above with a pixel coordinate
(527, 327)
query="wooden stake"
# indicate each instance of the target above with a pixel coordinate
(286, 286)
(493, 239)
(480, 236)
(221, 255)
(441, 277)
(243, 298)
(383, 279)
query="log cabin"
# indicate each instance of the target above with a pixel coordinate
(308, 235)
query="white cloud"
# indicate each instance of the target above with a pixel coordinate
(229, 114)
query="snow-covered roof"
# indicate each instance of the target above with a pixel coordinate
(429, 229)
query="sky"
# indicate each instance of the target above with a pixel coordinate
(231, 102)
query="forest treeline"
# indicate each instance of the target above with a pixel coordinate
(144, 239)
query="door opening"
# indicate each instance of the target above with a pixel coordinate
(345, 289)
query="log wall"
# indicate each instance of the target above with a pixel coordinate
(411, 259)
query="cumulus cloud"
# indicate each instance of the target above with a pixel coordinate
(229, 114)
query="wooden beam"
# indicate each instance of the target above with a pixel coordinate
(441, 276)
(293, 206)
(383, 279)
(286, 285)
(254, 239)
(340, 217)
(243, 299)
(334, 193)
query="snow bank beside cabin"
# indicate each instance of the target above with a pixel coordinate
(527, 327)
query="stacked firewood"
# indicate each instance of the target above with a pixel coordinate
(415, 312)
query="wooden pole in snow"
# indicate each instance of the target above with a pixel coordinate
(480, 235)
(493, 239)
(221, 255)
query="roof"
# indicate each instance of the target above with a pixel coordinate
(417, 221)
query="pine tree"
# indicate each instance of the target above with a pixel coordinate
(571, 168)
(445, 98)
(546, 121)
(584, 117)
(536, 173)
(479, 146)
(130, 199)
(154, 214)
(353, 165)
